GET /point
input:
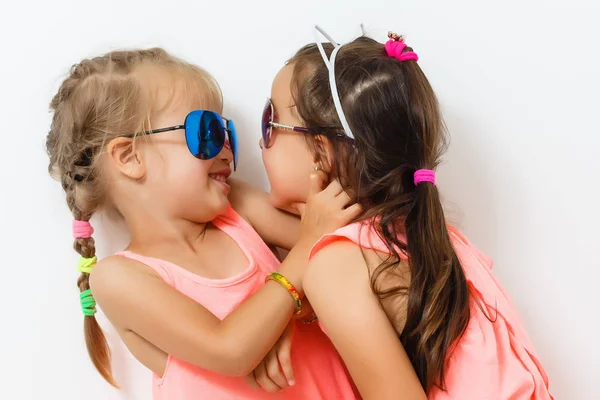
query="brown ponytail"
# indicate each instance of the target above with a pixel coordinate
(438, 296)
(394, 115)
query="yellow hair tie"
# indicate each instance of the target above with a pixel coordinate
(85, 265)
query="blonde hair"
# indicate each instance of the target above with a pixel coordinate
(103, 98)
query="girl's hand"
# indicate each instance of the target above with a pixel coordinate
(326, 209)
(275, 373)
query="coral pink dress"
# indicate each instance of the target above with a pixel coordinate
(493, 360)
(318, 369)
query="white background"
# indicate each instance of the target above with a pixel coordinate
(519, 85)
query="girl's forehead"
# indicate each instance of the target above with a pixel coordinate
(187, 93)
(283, 80)
(172, 89)
(281, 92)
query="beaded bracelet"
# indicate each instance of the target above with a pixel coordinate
(283, 281)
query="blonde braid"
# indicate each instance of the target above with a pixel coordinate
(101, 99)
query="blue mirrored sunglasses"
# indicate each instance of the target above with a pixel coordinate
(206, 133)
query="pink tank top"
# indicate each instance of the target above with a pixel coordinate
(318, 369)
(493, 360)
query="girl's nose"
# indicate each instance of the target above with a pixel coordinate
(226, 154)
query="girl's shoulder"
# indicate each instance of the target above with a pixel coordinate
(362, 234)
(357, 252)
(120, 267)
(365, 235)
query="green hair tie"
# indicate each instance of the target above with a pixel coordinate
(88, 303)
(85, 265)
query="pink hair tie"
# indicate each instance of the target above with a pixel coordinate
(395, 47)
(424, 175)
(82, 229)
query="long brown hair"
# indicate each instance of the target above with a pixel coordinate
(394, 115)
(101, 99)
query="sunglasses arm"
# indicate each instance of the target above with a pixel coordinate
(161, 130)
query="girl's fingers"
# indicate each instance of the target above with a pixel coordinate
(334, 188)
(342, 199)
(262, 378)
(352, 212)
(284, 355)
(251, 380)
(275, 373)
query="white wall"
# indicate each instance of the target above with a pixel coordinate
(519, 85)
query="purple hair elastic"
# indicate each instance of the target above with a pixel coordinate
(424, 175)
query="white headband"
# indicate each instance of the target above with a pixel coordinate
(330, 63)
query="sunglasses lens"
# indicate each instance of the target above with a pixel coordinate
(267, 118)
(205, 134)
(192, 132)
(233, 141)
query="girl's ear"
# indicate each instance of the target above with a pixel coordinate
(126, 157)
(324, 154)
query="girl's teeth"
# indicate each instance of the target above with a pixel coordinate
(220, 178)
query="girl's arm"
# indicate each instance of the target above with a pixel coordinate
(274, 226)
(337, 284)
(137, 300)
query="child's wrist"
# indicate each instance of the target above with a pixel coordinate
(295, 263)
(295, 278)
(286, 284)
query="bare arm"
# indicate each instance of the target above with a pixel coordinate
(135, 299)
(274, 226)
(338, 286)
